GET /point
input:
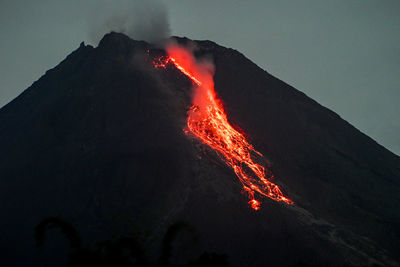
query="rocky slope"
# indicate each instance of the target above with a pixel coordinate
(100, 137)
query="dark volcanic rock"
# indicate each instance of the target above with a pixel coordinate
(100, 137)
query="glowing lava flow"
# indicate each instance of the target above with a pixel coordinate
(208, 122)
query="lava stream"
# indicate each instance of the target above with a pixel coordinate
(208, 121)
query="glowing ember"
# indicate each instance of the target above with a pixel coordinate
(207, 121)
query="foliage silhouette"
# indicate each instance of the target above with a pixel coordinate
(210, 260)
(302, 264)
(66, 229)
(169, 237)
(123, 251)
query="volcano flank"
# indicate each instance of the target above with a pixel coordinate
(102, 141)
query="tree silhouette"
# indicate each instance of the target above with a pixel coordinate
(123, 251)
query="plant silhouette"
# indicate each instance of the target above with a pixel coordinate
(124, 250)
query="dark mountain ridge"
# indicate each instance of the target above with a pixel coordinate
(100, 136)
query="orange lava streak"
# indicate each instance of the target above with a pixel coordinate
(208, 121)
(164, 62)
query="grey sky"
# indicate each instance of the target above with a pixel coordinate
(344, 54)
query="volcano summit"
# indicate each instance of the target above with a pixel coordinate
(107, 135)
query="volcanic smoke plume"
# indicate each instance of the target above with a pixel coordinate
(208, 122)
(141, 19)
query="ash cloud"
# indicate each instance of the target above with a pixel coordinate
(141, 20)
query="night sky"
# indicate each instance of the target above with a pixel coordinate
(344, 54)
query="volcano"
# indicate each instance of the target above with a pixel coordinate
(104, 135)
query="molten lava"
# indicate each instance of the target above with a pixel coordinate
(208, 121)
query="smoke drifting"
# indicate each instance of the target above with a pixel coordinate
(141, 20)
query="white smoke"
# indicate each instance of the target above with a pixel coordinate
(141, 20)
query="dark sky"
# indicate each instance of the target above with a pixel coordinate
(344, 54)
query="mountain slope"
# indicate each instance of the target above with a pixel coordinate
(100, 136)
